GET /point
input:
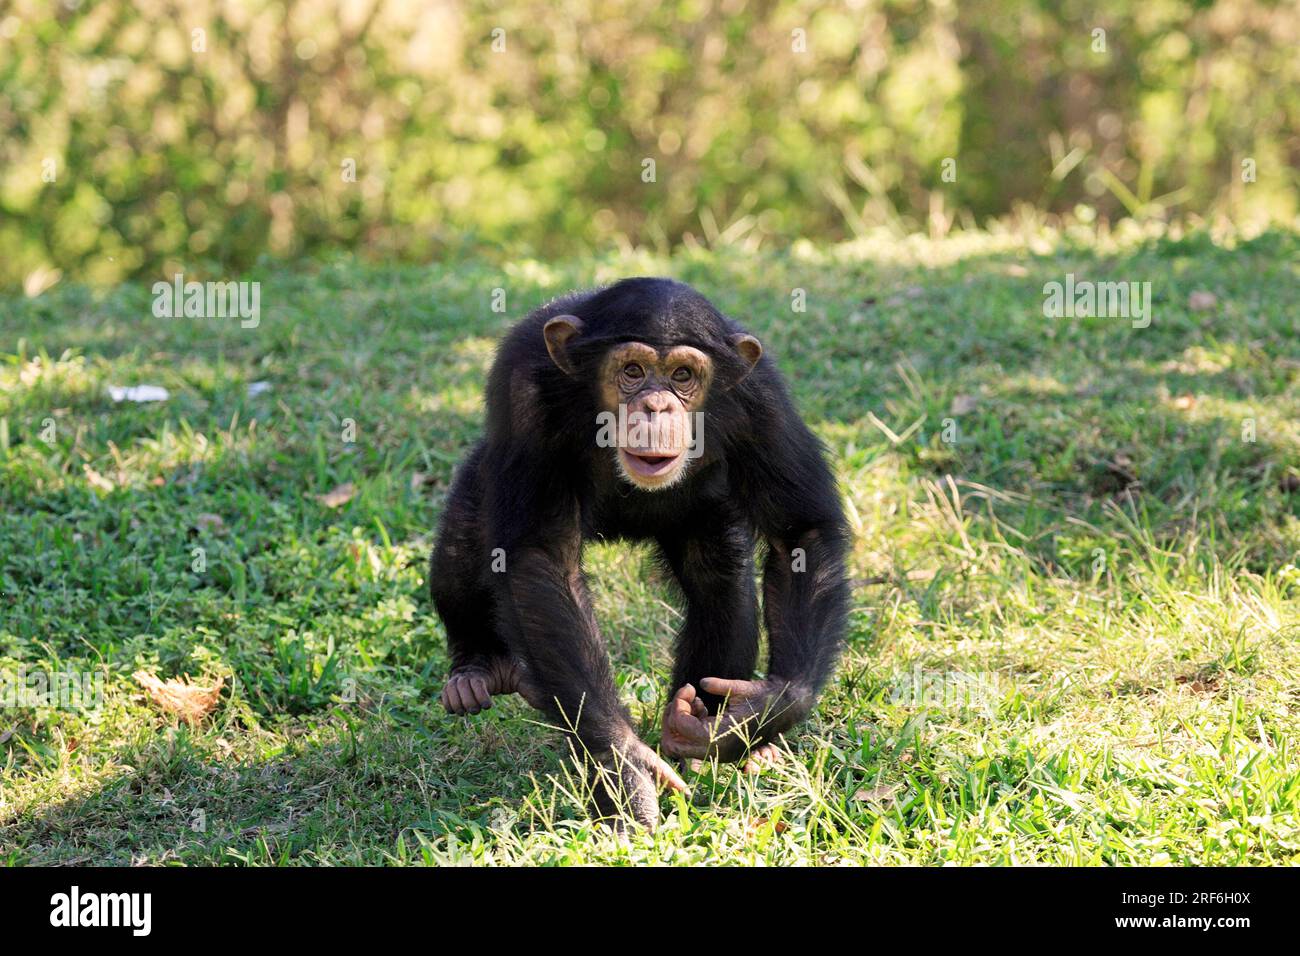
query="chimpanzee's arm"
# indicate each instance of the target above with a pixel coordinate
(805, 604)
(545, 616)
(796, 507)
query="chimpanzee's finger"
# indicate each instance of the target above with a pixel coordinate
(685, 724)
(699, 710)
(481, 695)
(466, 695)
(667, 776)
(451, 697)
(739, 689)
(762, 757)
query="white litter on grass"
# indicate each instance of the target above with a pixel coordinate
(138, 393)
(257, 388)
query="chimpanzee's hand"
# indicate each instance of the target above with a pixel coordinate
(471, 687)
(750, 705)
(627, 782)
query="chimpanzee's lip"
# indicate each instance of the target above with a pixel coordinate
(649, 465)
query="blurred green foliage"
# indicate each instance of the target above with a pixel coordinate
(142, 138)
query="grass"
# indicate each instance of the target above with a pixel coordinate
(1094, 582)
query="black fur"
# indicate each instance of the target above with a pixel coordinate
(537, 486)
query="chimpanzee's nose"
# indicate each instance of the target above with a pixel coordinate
(657, 401)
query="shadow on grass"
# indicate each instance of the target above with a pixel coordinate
(360, 789)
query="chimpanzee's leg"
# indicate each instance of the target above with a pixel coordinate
(480, 663)
(714, 566)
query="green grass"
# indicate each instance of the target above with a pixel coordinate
(1100, 550)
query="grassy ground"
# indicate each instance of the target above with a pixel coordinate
(1093, 584)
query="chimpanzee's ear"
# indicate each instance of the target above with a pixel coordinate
(557, 332)
(749, 349)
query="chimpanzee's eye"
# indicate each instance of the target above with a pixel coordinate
(682, 374)
(632, 370)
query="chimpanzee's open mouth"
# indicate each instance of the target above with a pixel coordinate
(649, 465)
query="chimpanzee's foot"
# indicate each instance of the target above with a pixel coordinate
(470, 687)
(625, 785)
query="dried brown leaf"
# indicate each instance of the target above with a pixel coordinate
(183, 696)
(963, 404)
(339, 496)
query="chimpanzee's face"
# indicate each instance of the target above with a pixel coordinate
(655, 393)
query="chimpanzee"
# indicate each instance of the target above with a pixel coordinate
(638, 411)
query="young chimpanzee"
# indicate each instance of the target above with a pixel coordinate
(640, 412)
